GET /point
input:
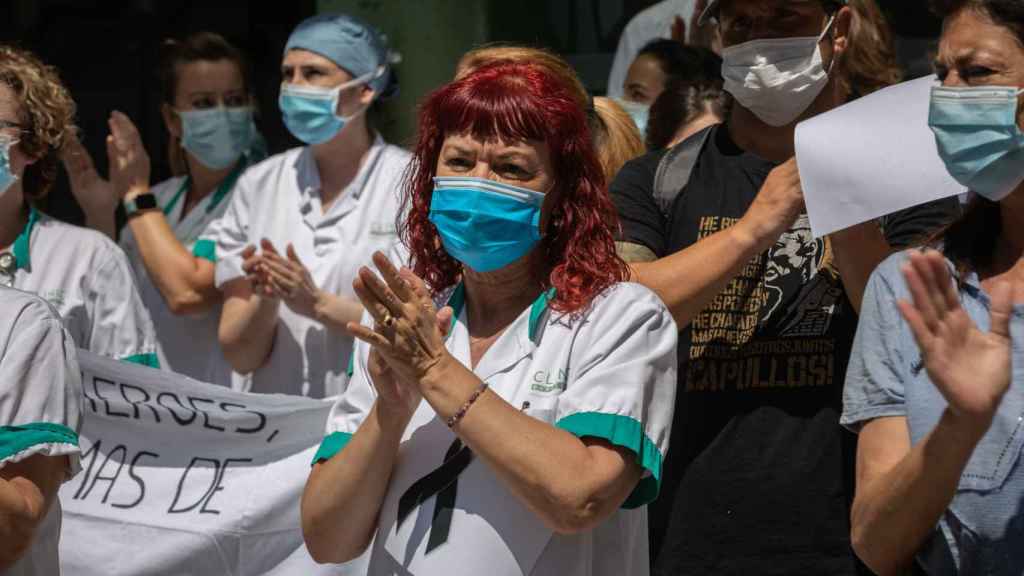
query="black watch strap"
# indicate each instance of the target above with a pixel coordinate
(140, 203)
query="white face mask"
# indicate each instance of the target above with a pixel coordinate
(777, 79)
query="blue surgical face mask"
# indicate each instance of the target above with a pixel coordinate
(484, 224)
(638, 112)
(217, 137)
(978, 138)
(6, 176)
(310, 112)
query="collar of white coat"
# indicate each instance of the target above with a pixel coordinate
(21, 247)
(538, 310)
(307, 176)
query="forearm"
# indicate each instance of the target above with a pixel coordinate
(689, 280)
(894, 513)
(335, 311)
(19, 518)
(246, 332)
(185, 281)
(551, 471)
(858, 251)
(343, 496)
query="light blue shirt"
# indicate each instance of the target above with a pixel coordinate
(982, 530)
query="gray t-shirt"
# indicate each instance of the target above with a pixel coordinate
(982, 530)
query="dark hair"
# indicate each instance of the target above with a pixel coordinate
(693, 63)
(197, 47)
(683, 102)
(971, 241)
(1007, 13)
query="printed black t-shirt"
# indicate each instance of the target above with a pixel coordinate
(758, 477)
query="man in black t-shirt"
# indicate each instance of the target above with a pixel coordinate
(758, 477)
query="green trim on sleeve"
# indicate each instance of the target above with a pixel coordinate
(331, 445)
(625, 432)
(16, 439)
(149, 360)
(205, 249)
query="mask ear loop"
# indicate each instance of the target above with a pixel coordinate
(363, 80)
(827, 33)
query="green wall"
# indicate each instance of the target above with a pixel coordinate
(430, 35)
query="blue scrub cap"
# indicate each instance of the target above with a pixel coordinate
(348, 42)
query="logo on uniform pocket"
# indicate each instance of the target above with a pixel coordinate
(545, 382)
(55, 297)
(383, 229)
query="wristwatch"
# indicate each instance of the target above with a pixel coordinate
(140, 203)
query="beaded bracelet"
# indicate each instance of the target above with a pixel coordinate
(454, 419)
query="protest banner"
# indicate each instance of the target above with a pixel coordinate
(180, 477)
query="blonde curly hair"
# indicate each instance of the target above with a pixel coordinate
(49, 111)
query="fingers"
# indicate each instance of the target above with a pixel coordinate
(931, 275)
(294, 256)
(922, 333)
(268, 246)
(394, 280)
(922, 299)
(1001, 309)
(944, 280)
(363, 333)
(444, 320)
(381, 292)
(369, 300)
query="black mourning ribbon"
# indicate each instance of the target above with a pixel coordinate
(444, 482)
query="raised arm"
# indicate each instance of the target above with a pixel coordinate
(689, 280)
(185, 281)
(902, 491)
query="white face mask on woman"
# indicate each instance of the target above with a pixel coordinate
(778, 78)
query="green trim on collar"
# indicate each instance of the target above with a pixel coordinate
(457, 301)
(206, 249)
(17, 439)
(218, 195)
(21, 251)
(628, 433)
(228, 184)
(330, 446)
(177, 196)
(537, 310)
(150, 360)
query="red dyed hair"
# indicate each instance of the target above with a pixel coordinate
(518, 102)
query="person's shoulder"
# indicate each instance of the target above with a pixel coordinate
(21, 309)
(890, 270)
(272, 164)
(639, 171)
(166, 190)
(624, 304)
(79, 237)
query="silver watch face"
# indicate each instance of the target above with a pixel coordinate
(8, 266)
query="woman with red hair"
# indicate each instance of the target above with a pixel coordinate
(521, 428)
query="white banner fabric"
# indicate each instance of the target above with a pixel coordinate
(184, 478)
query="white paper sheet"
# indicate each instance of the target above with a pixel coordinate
(871, 157)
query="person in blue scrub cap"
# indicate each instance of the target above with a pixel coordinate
(302, 222)
(936, 391)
